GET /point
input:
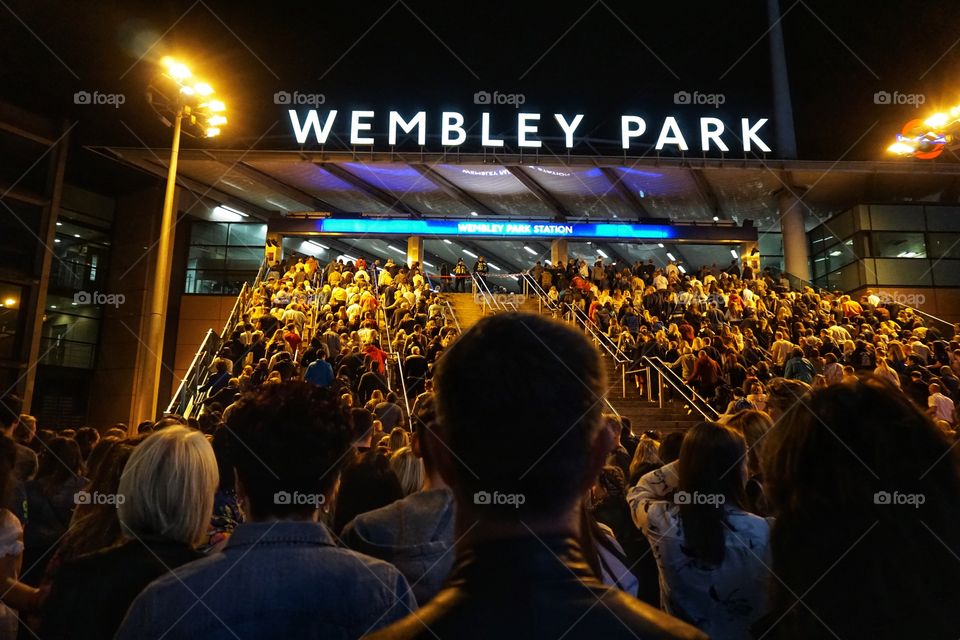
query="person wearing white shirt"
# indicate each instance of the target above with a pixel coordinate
(780, 349)
(660, 281)
(713, 556)
(941, 407)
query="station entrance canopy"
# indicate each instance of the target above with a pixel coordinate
(268, 184)
(541, 186)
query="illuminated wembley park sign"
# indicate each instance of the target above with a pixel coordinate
(492, 229)
(317, 126)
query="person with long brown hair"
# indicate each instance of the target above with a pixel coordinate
(866, 495)
(94, 525)
(711, 552)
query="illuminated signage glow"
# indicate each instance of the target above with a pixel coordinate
(493, 229)
(317, 126)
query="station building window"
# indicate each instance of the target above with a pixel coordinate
(223, 255)
(770, 246)
(898, 244)
(904, 245)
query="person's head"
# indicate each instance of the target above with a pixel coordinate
(545, 409)
(168, 485)
(409, 469)
(288, 438)
(10, 407)
(669, 449)
(95, 524)
(368, 482)
(712, 473)
(866, 496)
(87, 438)
(933, 388)
(783, 394)
(610, 484)
(398, 439)
(753, 424)
(26, 429)
(646, 458)
(60, 461)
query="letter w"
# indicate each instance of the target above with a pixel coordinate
(301, 132)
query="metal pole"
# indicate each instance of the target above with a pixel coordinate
(660, 390)
(782, 103)
(151, 361)
(623, 378)
(649, 385)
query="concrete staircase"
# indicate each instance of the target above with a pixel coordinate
(643, 415)
(467, 311)
(646, 415)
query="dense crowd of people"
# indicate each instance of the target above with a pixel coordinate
(729, 333)
(305, 500)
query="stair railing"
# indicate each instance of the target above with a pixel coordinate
(691, 398)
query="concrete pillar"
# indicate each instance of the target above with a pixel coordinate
(117, 396)
(558, 251)
(786, 141)
(796, 249)
(36, 302)
(415, 250)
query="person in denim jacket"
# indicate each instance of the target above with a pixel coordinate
(281, 574)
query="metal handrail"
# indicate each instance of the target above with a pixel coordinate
(236, 312)
(934, 318)
(181, 403)
(452, 314)
(620, 359)
(692, 398)
(591, 327)
(489, 299)
(394, 354)
(198, 371)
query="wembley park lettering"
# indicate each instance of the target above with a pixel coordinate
(319, 125)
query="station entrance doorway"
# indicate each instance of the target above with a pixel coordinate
(509, 246)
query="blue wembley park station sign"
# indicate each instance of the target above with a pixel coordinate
(489, 229)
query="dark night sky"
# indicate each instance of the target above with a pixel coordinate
(601, 58)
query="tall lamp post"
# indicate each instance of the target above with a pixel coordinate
(186, 104)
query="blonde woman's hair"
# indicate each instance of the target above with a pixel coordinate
(409, 470)
(168, 485)
(398, 439)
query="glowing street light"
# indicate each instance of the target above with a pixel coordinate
(184, 103)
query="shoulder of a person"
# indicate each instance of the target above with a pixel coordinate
(9, 521)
